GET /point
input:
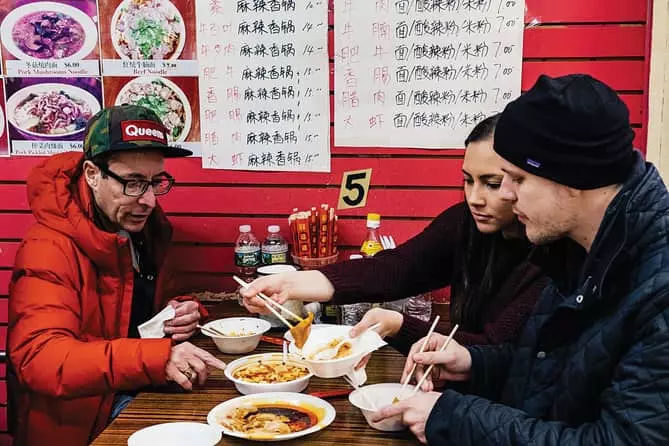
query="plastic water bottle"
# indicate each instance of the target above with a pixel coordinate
(419, 306)
(352, 313)
(274, 247)
(247, 253)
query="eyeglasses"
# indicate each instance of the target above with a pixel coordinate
(136, 188)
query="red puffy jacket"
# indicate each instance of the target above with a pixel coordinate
(69, 311)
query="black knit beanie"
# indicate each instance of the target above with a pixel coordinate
(573, 130)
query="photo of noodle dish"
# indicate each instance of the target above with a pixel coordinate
(148, 29)
(267, 372)
(48, 31)
(272, 416)
(51, 110)
(163, 97)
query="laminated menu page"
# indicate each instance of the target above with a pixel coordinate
(4, 140)
(148, 38)
(264, 76)
(49, 115)
(49, 38)
(423, 73)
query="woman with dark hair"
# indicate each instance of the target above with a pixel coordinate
(477, 247)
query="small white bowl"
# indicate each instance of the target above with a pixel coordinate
(381, 395)
(237, 344)
(247, 388)
(335, 368)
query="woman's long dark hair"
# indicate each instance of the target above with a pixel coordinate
(483, 261)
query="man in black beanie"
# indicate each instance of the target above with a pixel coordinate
(592, 366)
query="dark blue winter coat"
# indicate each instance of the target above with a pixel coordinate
(592, 365)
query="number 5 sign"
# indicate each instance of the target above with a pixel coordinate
(354, 187)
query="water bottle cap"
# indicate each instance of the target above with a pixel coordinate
(245, 228)
(273, 229)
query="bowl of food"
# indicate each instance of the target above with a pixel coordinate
(48, 31)
(51, 110)
(272, 416)
(165, 98)
(330, 353)
(148, 30)
(267, 372)
(238, 334)
(381, 395)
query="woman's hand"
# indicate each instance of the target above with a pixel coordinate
(307, 286)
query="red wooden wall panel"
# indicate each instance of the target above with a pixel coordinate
(605, 38)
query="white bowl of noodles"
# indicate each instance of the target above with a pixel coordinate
(148, 30)
(163, 97)
(266, 372)
(51, 110)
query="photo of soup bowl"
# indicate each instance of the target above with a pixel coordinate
(267, 365)
(48, 31)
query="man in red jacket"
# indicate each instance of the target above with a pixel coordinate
(89, 272)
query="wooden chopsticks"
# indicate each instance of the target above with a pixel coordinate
(269, 303)
(422, 349)
(429, 369)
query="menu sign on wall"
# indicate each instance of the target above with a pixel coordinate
(264, 91)
(423, 73)
(49, 38)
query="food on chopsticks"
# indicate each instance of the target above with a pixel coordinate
(335, 349)
(148, 29)
(52, 112)
(270, 372)
(269, 419)
(302, 330)
(48, 35)
(314, 232)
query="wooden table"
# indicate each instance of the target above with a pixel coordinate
(349, 427)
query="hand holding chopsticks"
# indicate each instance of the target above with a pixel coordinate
(429, 369)
(422, 349)
(270, 304)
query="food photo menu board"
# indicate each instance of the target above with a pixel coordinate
(49, 38)
(65, 60)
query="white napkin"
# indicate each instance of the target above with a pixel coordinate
(154, 328)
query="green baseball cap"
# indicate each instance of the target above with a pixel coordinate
(128, 127)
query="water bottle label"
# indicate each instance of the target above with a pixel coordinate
(247, 258)
(271, 258)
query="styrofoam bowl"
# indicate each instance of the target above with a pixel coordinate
(335, 368)
(237, 344)
(247, 388)
(381, 395)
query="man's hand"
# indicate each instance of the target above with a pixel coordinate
(189, 364)
(186, 318)
(414, 411)
(453, 364)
